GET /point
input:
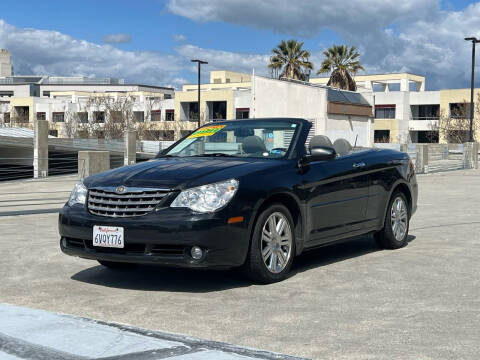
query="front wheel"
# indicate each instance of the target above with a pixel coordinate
(272, 246)
(394, 234)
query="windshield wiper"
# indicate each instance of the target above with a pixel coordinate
(166, 156)
(214, 155)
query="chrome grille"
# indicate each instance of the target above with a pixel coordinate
(130, 202)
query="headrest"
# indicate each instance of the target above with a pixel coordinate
(319, 140)
(253, 144)
(342, 146)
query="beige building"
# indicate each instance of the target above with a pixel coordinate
(405, 112)
(149, 110)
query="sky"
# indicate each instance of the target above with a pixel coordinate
(152, 41)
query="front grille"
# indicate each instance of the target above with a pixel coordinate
(131, 202)
(168, 250)
(128, 249)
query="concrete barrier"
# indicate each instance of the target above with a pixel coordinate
(92, 162)
(130, 154)
(40, 149)
(470, 155)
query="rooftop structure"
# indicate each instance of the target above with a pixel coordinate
(384, 82)
(6, 68)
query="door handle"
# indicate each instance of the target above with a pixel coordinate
(359, 165)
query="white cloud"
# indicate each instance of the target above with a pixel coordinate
(304, 17)
(408, 35)
(225, 60)
(117, 38)
(179, 37)
(51, 52)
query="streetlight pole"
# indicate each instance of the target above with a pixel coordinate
(199, 62)
(472, 83)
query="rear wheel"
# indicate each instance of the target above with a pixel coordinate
(394, 234)
(272, 246)
(115, 265)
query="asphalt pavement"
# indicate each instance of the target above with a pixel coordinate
(346, 301)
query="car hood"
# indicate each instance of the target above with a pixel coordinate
(175, 173)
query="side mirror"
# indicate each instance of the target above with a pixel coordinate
(320, 153)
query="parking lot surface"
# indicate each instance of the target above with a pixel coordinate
(346, 301)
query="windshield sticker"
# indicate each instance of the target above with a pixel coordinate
(206, 131)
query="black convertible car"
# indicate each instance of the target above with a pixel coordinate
(241, 193)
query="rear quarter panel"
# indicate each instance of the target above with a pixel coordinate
(387, 169)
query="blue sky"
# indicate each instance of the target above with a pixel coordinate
(154, 40)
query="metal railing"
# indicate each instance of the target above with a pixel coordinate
(425, 118)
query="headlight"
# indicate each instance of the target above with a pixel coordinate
(207, 198)
(78, 195)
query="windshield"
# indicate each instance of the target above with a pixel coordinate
(249, 138)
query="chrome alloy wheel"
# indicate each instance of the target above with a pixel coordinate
(276, 243)
(399, 218)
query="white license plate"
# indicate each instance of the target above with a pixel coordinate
(108, 236)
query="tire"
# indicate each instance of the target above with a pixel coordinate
(115, 265)
(278, 253)
(395, 236)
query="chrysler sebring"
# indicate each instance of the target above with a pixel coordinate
(243, 193)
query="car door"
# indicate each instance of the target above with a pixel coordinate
(336, 194)
(383, 171)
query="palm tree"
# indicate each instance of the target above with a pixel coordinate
(342, 61)
(290, 60)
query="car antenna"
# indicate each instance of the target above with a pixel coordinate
(355, 145)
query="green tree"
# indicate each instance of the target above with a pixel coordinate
(343, 63)
(290, 60)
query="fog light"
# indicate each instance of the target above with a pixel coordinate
(196, 253)
(64, 242)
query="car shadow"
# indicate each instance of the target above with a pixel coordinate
(334, 253)
(158, 278)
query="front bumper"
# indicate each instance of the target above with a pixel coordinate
(161, 237)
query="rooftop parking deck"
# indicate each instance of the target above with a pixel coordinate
(348, 301)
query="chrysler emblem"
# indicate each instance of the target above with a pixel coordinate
(120, 189)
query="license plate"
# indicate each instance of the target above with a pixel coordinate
(108, 236)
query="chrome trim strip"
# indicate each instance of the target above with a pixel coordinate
(113, 189)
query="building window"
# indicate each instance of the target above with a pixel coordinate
(460, 110)
(385, 112)
(184, 133)
(381, 136)
(427, 137)
(82, 117)
(116, 116)
(41, 116)
(139, 116)
(425, 112)
(217, 110)
(167, 96)
(99, 116)
(217, 81)
(159, 135)
(156, 115)
(243, 113)
(21, 114)
(58, 117)
(6, 118)
(46, 93)
(6, 93)
(53, 133)
(169, 115)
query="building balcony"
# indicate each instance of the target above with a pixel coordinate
(423, 125)
(425, 118)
